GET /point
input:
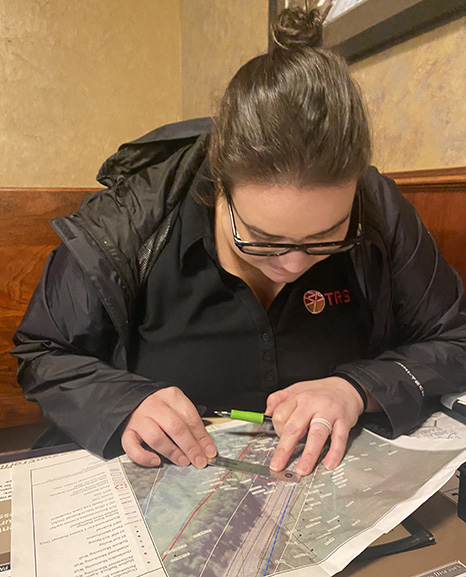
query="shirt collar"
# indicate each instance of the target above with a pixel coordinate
(197, 223)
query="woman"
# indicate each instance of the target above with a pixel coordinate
(258, 264)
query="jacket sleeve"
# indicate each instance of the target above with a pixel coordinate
(426, 356)
(65, 346)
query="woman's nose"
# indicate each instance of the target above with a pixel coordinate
(297, 261)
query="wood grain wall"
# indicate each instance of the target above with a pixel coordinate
(26, 239)
(439, 196)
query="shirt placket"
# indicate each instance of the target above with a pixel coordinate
(265, 339)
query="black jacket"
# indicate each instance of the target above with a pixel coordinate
(73, 341)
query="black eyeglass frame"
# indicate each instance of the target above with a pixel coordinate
(333, 247)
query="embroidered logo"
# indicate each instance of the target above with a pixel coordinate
(338, 297)
(314, 301)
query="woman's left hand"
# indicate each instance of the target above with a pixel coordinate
(293, 409)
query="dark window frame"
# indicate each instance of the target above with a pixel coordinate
(374, 25)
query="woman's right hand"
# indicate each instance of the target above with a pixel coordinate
(168, 423)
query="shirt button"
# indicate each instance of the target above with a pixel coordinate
(267, 357)
(266, 337)
(269, 377)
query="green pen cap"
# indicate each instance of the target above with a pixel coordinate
(247, 416)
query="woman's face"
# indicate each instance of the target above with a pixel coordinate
(285, 214)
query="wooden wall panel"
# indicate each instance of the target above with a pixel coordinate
(439, 196)
(26, 238)
(448, 227)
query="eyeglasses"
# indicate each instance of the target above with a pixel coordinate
(315, 248)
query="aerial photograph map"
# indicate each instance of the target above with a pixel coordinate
(214, 521)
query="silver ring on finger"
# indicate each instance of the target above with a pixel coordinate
(322, 422)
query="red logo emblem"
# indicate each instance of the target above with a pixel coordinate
(314, 301)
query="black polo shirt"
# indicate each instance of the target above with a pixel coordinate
(202, 329)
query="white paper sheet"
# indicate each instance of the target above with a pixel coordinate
(5, 510)
(5, 521)
(76, 516)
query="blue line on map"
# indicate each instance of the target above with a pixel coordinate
(278, 530)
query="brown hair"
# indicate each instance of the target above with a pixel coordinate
(292, 116)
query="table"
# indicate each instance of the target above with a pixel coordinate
(439, 515)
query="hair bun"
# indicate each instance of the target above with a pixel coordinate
(298, 28)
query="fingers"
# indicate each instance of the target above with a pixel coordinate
(181, 435)
(131, 443)
(318, 434)
(336, 452)
(276, 399)
(151, 434)
(316, 438)
(169, 424)
(198, 431)
(333, 402)
(296, 423)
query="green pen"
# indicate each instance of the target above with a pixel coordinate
(249, 416)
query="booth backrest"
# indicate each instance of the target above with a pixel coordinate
(26, 238)
(440, 198)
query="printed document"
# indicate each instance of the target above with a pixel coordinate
(76, 516)
(5, 509)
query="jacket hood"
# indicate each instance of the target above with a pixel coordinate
(146, 180)
(151, 149)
